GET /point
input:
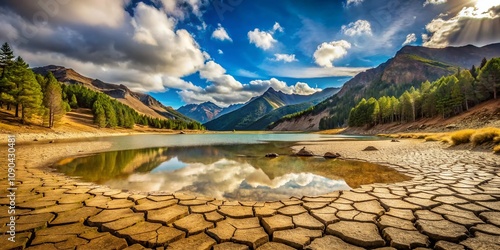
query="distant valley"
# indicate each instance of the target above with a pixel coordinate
(258, 113)
(206, 111)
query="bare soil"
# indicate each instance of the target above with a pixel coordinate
(75, 124)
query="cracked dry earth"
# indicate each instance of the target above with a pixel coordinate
(452, 202)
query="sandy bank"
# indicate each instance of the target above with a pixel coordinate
(354, 149)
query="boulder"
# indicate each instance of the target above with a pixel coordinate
(304, 152)
(370, 148)
(330, 155)
(272, 155)
(394, 140)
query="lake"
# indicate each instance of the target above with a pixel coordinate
(229, 166)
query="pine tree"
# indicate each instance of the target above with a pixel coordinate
(483, 63)
(473, 71)
(99, 114)
(456, 97)
(7, 86)
(406, 106)
(28, 94)
(73, 103)
(415, 101)
(466, 81)
(396, 106)
(53, 100)
(373, 110)
(111, 119)
(489, 77)
(6, 58)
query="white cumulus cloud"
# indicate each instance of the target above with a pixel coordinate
(353, 2)
(434, 2)
(303, 88)
(299, 88)
(145, 52)
(220, 52)
(360, 27)
(326, 53)
(284, 58)
(481, 20)
(410, 38)
(277, 27)
(222, 87)
(221, 34)
(261, 39)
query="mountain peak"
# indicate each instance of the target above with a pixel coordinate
(271, 90)
(209, 103)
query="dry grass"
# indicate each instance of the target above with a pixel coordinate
(496, 149)
(496, 139)
(406, 135)
(477, 137)
(331, 131)
(461, 136)
(437, 137)
(485, 135)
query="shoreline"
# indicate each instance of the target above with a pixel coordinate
(41, 155)
(80, 209)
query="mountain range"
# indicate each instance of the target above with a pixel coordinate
(411, 66)
(263, 110)
(279, 111)
(206, 111)
(142, 103)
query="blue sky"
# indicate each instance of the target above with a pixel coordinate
(228, 51)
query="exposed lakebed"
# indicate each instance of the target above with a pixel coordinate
(224, 166)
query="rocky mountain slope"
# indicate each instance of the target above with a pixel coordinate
(257, 108)
(409, 67)
(142, 103)
(206, 111)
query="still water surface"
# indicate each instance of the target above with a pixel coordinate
(223, 166)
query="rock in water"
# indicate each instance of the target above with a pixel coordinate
(272, 155)
(330, 155)
(370, 148)
(304, 152)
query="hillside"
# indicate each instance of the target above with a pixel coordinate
(206, 111)
(142, 103)
(244, 117)
(486, 114)
(410, 67)
(263, 122)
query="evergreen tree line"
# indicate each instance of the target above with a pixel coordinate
(32, 95)
(27, 93)
(108, 112)
(447, 96)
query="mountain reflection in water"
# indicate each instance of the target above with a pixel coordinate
(231, 172)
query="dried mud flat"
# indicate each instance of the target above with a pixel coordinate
(452, 202)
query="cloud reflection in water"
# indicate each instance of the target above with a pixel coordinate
(228, 179)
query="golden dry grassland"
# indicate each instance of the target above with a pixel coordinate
(476, 137)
